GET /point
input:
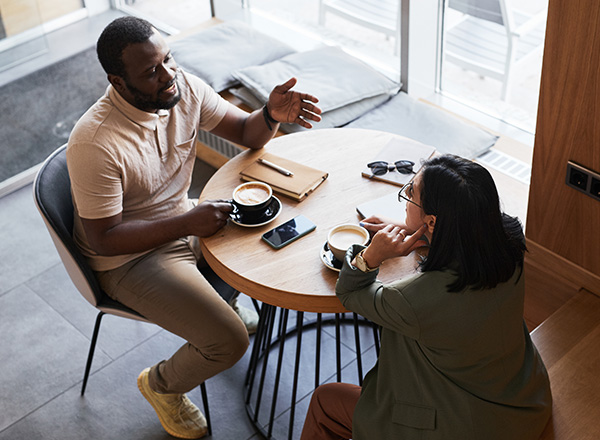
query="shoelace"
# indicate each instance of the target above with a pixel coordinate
(185, 409)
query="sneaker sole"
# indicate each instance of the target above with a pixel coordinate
(157, 411)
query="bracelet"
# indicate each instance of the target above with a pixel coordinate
(268, 118)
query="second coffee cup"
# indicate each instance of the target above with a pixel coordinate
(341, 237)
(252, 198)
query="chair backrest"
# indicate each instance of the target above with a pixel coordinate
(489, 10)
(52, 195)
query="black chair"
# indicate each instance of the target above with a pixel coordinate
(52, 196)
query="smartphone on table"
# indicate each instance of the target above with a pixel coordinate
(289, 231)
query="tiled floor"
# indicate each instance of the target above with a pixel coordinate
(46, 328)
(46, 325)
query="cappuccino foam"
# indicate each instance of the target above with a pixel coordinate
(252, 195)
(345, 238)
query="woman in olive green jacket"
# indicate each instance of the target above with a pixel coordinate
(456, 359)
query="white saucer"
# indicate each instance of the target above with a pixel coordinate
(329, 260)
(271, 213)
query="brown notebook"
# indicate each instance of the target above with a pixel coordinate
(302, 183)
(400, 149)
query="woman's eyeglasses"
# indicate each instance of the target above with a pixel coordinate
(380, 167)
(408, 190)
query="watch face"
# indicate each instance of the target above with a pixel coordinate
(361, 263)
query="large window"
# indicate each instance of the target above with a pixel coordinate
(369, 29)
(492, 53)
(458, 49)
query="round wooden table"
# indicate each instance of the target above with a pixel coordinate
(294, 278)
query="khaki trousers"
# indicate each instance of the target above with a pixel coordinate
(330, 412)
(166, 287)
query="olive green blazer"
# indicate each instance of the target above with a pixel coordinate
(452, 365)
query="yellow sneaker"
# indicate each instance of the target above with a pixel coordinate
(177, 414)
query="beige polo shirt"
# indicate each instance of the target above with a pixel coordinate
(124, 160)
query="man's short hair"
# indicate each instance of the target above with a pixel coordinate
(119, 34)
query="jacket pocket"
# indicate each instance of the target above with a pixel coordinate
(414, 416)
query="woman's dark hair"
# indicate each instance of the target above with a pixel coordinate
(472, 236)
(119, 34)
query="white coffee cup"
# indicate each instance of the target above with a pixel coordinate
(341, 237)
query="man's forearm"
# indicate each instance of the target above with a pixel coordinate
(139, 235)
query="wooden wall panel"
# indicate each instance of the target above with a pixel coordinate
(561, 219)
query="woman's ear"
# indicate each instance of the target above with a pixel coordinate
(430, 222)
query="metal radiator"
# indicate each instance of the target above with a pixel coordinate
(219, 144)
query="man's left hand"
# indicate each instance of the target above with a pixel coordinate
(286, 105)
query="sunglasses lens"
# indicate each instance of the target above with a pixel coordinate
(404, 166)
(378, 168)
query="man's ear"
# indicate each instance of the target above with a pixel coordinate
(117, 82)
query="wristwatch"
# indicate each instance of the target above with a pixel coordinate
(361, 264)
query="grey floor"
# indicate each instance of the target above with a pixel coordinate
(46, 326)
(45, 330)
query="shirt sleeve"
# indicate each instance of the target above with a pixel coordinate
(382, 304)
(96, 183)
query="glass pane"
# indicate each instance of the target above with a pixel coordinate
(492, 57)
(170, 16)
(369, 29)
(21, 34)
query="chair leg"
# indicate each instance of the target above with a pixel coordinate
(88, 365)
(205, 402)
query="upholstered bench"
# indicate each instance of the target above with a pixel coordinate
(244, 65)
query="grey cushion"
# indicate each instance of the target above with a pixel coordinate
(408, 117)
(342, 83)
(330, 119)
(213, 54)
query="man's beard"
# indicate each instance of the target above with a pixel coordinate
(147, 102)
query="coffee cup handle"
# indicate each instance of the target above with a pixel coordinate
(234, 206)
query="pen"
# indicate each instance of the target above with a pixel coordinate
(276, 167)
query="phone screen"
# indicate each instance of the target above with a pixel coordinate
(289, 231)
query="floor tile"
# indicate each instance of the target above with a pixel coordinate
(43, 355)
(113, 407)
(117, 335)
(27, 249)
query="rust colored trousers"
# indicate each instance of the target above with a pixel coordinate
(330, 412)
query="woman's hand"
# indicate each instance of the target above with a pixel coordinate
(376, 223)
(392, 241)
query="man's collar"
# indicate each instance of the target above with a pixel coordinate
(145, 119)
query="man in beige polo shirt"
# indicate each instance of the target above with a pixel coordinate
(130, 159)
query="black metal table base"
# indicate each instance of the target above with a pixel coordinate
(270, 337)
